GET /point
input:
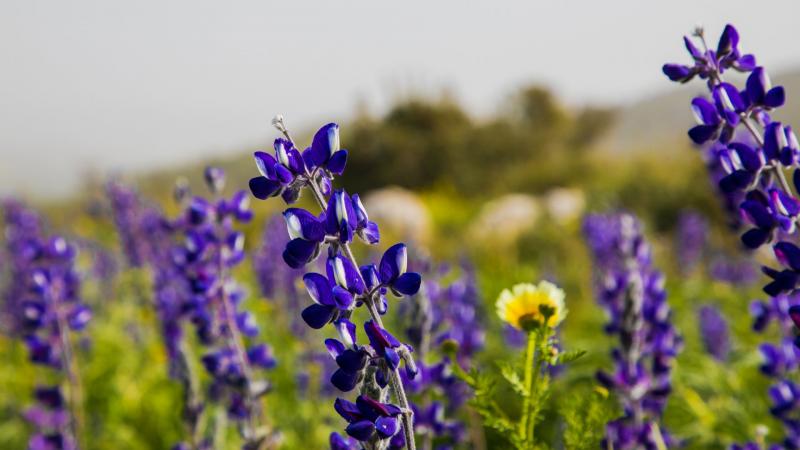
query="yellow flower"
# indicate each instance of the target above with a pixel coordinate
(524, 304)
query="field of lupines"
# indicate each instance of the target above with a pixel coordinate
(274, 311)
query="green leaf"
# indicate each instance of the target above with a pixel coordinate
(513, 378)
(568, 357)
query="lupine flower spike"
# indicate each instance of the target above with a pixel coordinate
(632, 293)
(372, 369)
(442, 311)
(756, 153)
(211, 248)
(51, 311)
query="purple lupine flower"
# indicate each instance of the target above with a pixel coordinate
(714, 332)
(211, 298)
(50, 312)
(780, 359)
(691, 237)
(345, 285)
(632, 293)
(129, 211)
(23, 234)
(754, 164)
(756, 171)
(442, 311)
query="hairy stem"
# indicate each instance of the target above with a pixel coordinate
(530, 355)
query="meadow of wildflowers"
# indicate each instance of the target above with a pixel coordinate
(263, 307)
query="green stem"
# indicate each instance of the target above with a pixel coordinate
(530, 356)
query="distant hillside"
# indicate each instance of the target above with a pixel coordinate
(656, 122)
(664, 118)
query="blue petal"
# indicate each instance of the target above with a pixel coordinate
(299, 252)
(352, 360)
(788, 254)
(387, 426)
(362, 430)
(296, 163)
(344, 380)
(325, 143)
(284, 174)
(393, 263)
(266, 164)
(262, 188)
(775, 97)
(728, 41)
(347, 331)
(370, 233)
(302, 224)
(342, 297)
(700, 134)
(316, 316)
(319, 289)
(337, 162)
(335, 348)
(756, 86)
(676, 72)
(755, 238)
(407, 283)
(347, 409)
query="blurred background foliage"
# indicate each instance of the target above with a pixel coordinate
(458, 167)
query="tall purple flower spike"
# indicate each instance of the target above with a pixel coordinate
(49, 312)
(755, 153)
(345, 285)
(447, 308)
(632, 293)
(209, 248)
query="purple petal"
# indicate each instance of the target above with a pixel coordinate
(302, 224)
(262, 188)
(344, 380)
(335, 348)
(325, 143)
(347, 331)
(407, 283)
(387, 426)
(788, 254)
(775, 97)
(319, 289)
(342, 297)
(347, 409)
(676, 72)
(266, 164)
(316, 316)
(337, 162)
(299, 252)
(728, 41)
(362, 430)
(393, 263)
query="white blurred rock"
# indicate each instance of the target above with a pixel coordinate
(505, 218)
(564, 204)
(399, 212)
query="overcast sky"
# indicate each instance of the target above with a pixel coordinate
(113, 85)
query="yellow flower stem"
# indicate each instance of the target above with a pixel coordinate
(530, 357)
